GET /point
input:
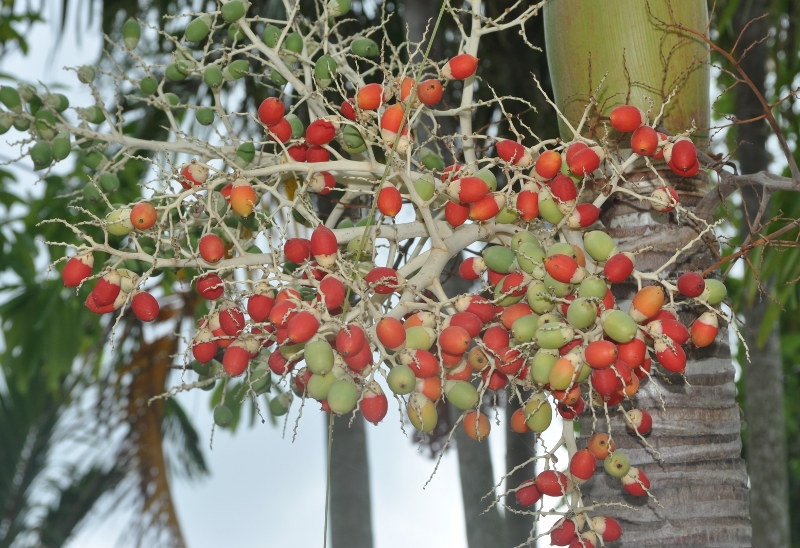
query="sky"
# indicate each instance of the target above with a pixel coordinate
(263, 489)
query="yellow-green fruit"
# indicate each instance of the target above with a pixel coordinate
(260, 379)
(290, 351)
(617, 464)
(205, 116)
(401, 380)
(581, 313)
(57, 101)
(539, 298)
(554, 335)
(714, 292)
(529, 257)
(172, 99)
(212, 76)
(131, 32)
(561, 248)
(198, 29)
(337, 8)
(343, 396)
(93, 159)
(45, 124)
(118, 222)
(541, 364)
(425, 187)
(524, 328)
(422, 412)
(506, 216)
(175, 73)
(619, 326)
(547, 207)
(293, 43)
(148, 85)
(593, 286)
(365, 47)
(10, 98)
(538, 413)
(559, 289)
(279, 405)
(277, 78)
(318, 354)
(86, 74)
(109, 182)
(488, 178)
(420, 337)
(499, 258)
(461, 394)
(599, 245)
(270, 35)
(319, 385)
(6, 121)
(233, 11)
(522, 237)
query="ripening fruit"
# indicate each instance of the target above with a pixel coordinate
(705, 329)
(714, 293)
(460, 67)
(468, 190)
(626, 118)
(528, 205)
(601, 354)
(646, 303)
(77, 269)
(691, 284)
(487, 207)
(617, 464)
(552, 483)
(513, 153)
(243, 198)
(476, 425)
(422, 412)
(548, 164)
(143, 215)
(644, 141)
(210, 286)
(107, 289)
(538, 413)
(600, 445)
(118, 222)
(145, 306)
(454, 339)
(370, 97)
(563, 268)
(212, 248)
(389, 200)
(429, 92)
(391, 333)
(271, 111)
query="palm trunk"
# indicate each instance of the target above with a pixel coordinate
(699, 478)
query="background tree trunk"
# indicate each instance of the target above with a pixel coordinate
(698, 476)
(763, 376)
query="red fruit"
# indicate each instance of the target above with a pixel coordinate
(691, 284)
(278, 364)
(302, 327)
(193, 174)
(280, 131)
(673, 329)
(360, 360)
(601, 354)
(92, 306)
(573, 149)
(370, 97)
(468, 321)
(607, 527)
(683, 156)
(626, 118)
(644, 141)
(212, 248)
(389, 200)
(321, 183)
(471, 268)
(494, 277)
(513, 312)
(496, 338)
(632, 352)
(235, 359)
(527, 493)
(423, 364)
(455, 213)
(618, 267)
(383, 280)
(639, 421)
(664, 199)
(204, 348)
(271, 111)
(316, 154)
(460, 67)
(487, 207)
(331, 292)
(548, 164)
(562, 268)
(584, 161)
(77, 269)
(494, 379)
(297, 250)
(636, 482)
(514, 285)
(143, 215)
(454, 339)
(405, 88)
(510, 361)
(563, 534)
(468, 190)
(429, 92)
(480, 306)
(705, 329)
(582, 464)
(350, 340)
(231, 319)
(514, 153)
(606, 382)
(563, 189)
(670, 355)
(298, 153)
(583, 215)
(451, 172)
(145, 306)
(552, 483)
(391, 333)
(320, 132)
(106, 289)
(348, 110)
(210, 286)
(374, 405)
(259, 307)
(324, 246)
(528, 205)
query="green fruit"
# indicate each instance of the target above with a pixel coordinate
(425, 187)
(499, 258)
(345, 223)
(277, 78)
(599, 245)
(57, 102)
(6, 121)
(41, 155)
(539, 299)
(364, 47)
(233, 10)
(619, 326)
(270, 35)
(223, 416)
(175, 73)
(86, 74)
(91, 193)
(324, 70)
(420, 337)
(343, 396)
(529, 258)
(261, 379)
(431, 160)
(319, 356)
(581, 313)
(352, 140)
(45, 124)
(401, 380)
(554, 335)
(279, 405)
(298, 129)
(593, 286)
(524, 328)
(11, 99)
(204, 116)
(212, 76)
(93, 159)
(245, 154)
(540, 365)
(522, 237)
(547, 207)
(293, 43)
(148, 85)
(93, 114)
(506, 300)
(319, 384)
(488, 177)
(338, 8)
(237, 69)
(538, 413)
(290, 351)
(109, 182)
(131, 32)
(617, 464)
(172, 99)
(461, 394)
(21, 124)
(422, 412)
(61, 146)
(198, 29)
(714, 292)
(118, 222)
(235, 33)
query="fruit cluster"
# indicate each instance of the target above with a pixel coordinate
(336, 309)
